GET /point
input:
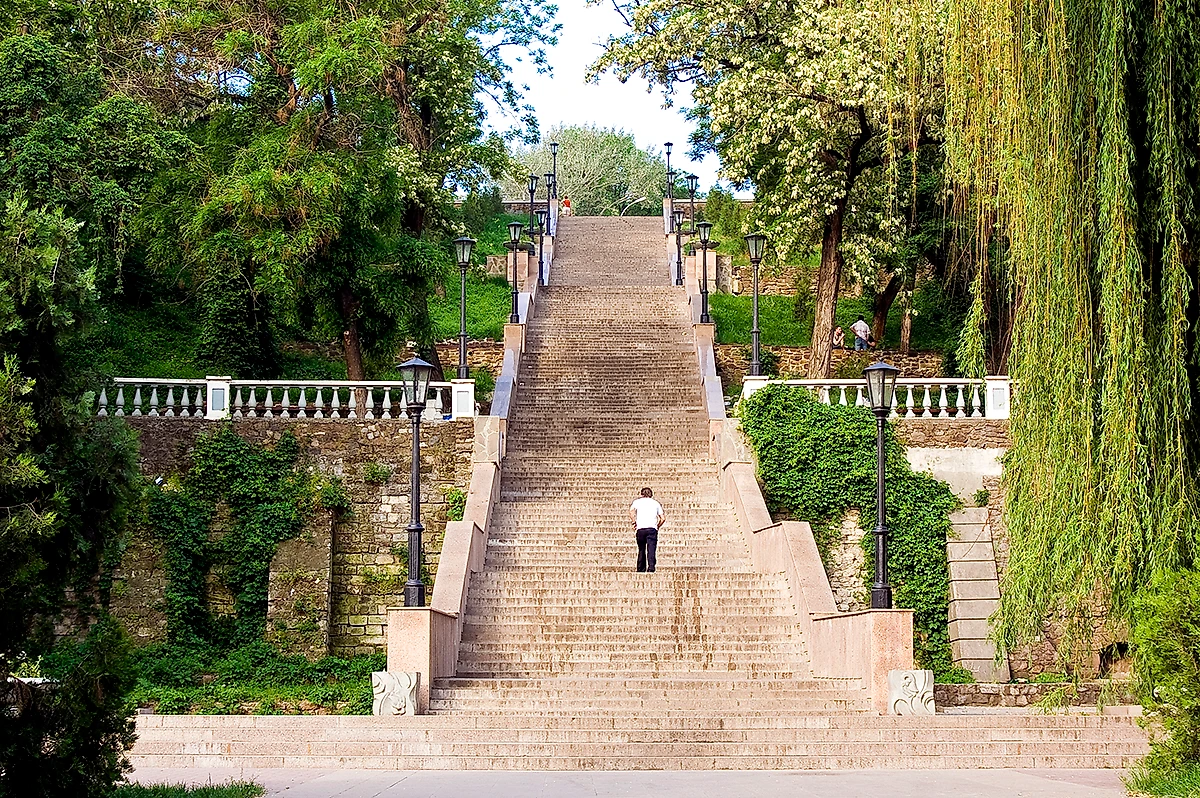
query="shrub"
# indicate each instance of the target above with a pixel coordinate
(982, 497)
(456, 503)
(376, 473)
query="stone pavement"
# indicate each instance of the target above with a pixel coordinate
(658, 784)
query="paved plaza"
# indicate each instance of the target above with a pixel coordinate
(659, 784)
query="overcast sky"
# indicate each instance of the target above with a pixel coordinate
(563, 98)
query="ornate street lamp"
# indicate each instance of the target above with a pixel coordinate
(670, 184)
(415, 375)
(542, 214)
(533, 181)
(463, 248)
(755, 244)
(677, 226)
(554, 171)
(514, 243)
(881, 390)
(705, 231)
(549, 190)
(693, 183)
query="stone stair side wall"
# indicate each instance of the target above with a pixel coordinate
(427, 639)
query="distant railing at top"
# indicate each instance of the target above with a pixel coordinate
(932, 397)
(221, 397)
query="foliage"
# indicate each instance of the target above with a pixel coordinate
(817, 461)
(1166, 645)
(491, 239)
(956, 675)
(603, 172)
(1148, 779)
(1073, 126)
(234, 789)
(489, 301)
(729, 219)
(982, 497)
(262, 496)
(485, 384)
(376, 473)
(456, 503)
(254, 678)
(480, 208)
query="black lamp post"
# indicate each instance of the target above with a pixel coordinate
(415, 374)
(670, 184)
(514, 243)
(705, 231)
(693, 183)
(677, 226)
(549, 190)
(881, 389)
(755, 244)
(542, 214)
(554, 170)
(463, 248)
(533, 181)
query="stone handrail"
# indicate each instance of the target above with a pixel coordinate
(222, 397)
(916, 397)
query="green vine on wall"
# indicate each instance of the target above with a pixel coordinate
(817, 462)
(225, 516)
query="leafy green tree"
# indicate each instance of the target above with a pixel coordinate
(812, 103)
(603, 172)
(329, 141)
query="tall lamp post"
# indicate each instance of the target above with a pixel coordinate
(755, 244)
(693, 183)
(705, 231)
(542, 214)
(415, 374)
(670, 184)
(677, 226)
(881, 390)
(514, 243)
(549, 189)
(554, 170)
(533, 181)
(463, 248)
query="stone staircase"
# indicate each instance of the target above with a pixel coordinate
(569, 658)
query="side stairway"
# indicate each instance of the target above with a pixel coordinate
(572, 660)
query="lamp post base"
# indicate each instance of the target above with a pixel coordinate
(881, 597)
(414, 594)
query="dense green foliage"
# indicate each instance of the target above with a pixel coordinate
(1146, 779)
(817, 461)
(234, 789)
(261, 496)
(254, 678)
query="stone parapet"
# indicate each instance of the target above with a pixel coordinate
(966, 433)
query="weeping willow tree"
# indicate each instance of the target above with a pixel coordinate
(1075, 128)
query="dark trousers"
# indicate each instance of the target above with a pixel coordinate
(647, 539)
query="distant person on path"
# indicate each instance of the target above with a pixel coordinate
(566, 206)
(862, 332)
(839, 338)
(646, 515)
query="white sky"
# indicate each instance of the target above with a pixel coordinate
(563, 98)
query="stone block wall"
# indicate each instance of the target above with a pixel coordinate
(330, 588)
(844, 563)
(733, 361)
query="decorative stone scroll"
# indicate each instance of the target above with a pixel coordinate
(910, 692)
(395, 693)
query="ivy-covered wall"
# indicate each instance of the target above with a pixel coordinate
(330, 586)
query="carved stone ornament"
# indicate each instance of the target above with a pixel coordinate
(395, 693)
(910, 692)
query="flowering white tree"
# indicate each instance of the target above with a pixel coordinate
(813, 103)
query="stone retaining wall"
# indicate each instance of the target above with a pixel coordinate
(329, 589)
(1086, 694)
(932, 433)
(733, 361)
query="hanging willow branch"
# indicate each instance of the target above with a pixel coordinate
(1073, 128)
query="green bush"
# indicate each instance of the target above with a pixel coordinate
(456, 503)
(1181, 782)
(817, 461)
(234, 789)
(982, 497)
(1166, 644)
(376, 473)
(956, 675)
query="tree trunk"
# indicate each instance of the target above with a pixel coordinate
(829, 277)
(351, 345)
(906, 323)
(883, 306)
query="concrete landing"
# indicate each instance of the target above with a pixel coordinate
(683, 784)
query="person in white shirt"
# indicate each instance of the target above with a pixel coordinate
(862, 331)
(646, 516)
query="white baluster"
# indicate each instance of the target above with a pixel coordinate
(302, 403)
(843, 399)
(170, 411)
(353, 403)
(925, 402)
(185, 411)
(960, 403)
(269, 405)
(370, 397)
(287, 402)
(387, 402)
(237, 405)
(319, 403)
(103, 410)
(154, 401)
(823, 394)
(908, 401)
(942, 401)
(975, 408)
(137, 401)
(336, 405)
(860, 397)
(120, 400)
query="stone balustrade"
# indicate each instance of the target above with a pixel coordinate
(933, 398)
(222, 397)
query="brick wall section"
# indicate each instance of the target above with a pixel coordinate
(971, 433)
(363, 576)
(733, 361)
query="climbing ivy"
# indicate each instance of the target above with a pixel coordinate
(225, 516)
(817, 462)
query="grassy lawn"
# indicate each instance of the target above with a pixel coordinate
(234, 789)
(1183, 783)
(489, 301)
